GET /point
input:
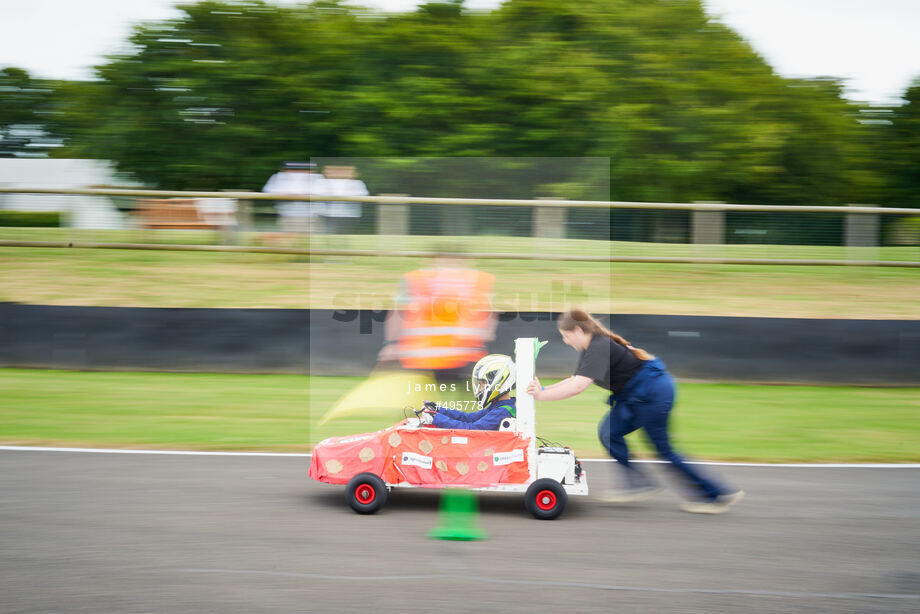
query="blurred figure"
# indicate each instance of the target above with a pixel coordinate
(642, 395)
(443, 320)
(341, 181)
(297, 178)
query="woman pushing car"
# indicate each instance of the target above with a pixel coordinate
(641, 396)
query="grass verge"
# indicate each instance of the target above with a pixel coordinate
(129, 278)
(282, 413)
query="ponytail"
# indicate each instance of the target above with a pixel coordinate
(586, 322)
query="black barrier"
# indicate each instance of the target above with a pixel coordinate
(149, 339)
(781, 350)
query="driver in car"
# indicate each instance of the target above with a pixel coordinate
(492, 381)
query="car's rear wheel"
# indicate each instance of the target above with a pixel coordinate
(545, 499)
(366, 493)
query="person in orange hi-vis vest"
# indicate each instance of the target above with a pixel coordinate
(443, 320)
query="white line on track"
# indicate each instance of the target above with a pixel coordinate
(563, 584)
(586, 460)
(790, 465)
(130, 451)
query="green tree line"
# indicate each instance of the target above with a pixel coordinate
(681, 105)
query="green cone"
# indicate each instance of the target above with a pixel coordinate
(459, 511)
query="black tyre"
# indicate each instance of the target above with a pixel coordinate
(545, 499)
(366, 493)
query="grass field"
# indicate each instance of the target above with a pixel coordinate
(282, 412)
(102, 277)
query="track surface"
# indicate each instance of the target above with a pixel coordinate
(143, 533)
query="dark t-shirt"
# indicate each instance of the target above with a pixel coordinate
(608, 363)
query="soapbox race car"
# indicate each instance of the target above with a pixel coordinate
(407, 455)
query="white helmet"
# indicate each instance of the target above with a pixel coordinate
(492, 377)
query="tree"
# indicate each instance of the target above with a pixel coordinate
(681, 105)
(901, 151)
(23, 110)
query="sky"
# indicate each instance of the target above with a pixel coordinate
(872, 44)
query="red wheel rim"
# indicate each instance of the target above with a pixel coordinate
(546, 500)
(365, 494)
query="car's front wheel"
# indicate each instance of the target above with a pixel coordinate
(545, 499)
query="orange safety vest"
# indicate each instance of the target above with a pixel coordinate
(446, 318)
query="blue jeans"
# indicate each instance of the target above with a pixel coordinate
(646, 402)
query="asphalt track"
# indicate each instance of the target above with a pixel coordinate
(84, 532)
